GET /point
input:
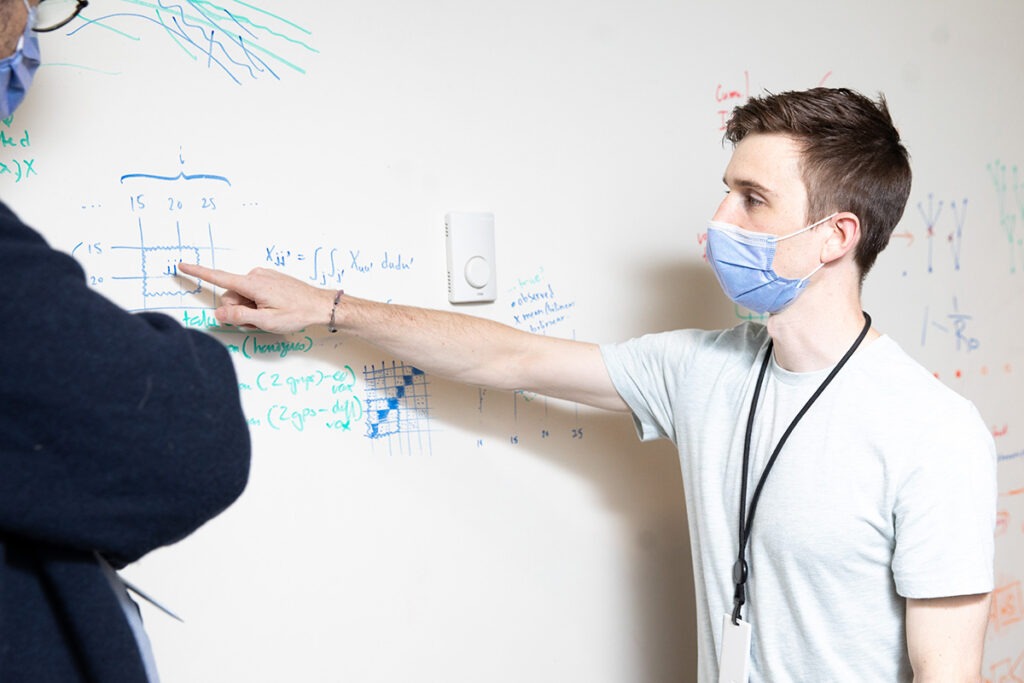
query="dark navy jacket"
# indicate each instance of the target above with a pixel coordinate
(119, 434)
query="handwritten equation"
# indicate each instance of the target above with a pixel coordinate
(317, 398)
(16, 161)
(953, 323)
(328, 265)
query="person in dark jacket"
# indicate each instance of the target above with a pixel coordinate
(119, 433)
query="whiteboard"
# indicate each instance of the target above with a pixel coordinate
(397, 527)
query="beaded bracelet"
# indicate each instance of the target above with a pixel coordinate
(331, 327)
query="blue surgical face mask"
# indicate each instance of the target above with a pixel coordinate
(17, 71)
(742, 261)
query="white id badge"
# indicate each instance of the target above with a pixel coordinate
(734, 662)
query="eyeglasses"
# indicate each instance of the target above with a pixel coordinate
(53, 14)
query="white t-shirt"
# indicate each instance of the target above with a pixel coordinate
(885, 490)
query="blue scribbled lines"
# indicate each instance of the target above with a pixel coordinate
(397, 405)
(240, 39)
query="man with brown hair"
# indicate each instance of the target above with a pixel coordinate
(871, 555)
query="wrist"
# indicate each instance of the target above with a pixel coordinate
(332, 324)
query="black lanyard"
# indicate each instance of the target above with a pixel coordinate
(739, 569)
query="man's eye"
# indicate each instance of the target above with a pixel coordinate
(753, 200)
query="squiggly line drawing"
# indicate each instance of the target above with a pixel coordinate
(230, 40)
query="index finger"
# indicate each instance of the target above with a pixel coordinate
(221, 278)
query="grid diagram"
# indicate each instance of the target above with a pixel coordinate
(160, 288)
(175, 215)
(398, 407)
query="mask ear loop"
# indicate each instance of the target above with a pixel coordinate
(809, 275)
(825, 219)
(29, 22)
(821, 265)
(812, 226)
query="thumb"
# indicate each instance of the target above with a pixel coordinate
(238, 315)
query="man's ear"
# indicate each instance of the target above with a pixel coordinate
(844, 238)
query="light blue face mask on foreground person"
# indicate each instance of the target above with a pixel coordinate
(742, 261)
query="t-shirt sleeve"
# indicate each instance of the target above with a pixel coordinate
(647, 372)
(945, 510)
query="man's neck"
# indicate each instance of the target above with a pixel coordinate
(816, 331)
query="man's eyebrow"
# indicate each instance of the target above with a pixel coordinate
(748, 185)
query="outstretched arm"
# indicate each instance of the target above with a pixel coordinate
(452, 345)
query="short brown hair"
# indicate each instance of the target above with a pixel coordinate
(852, 157)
